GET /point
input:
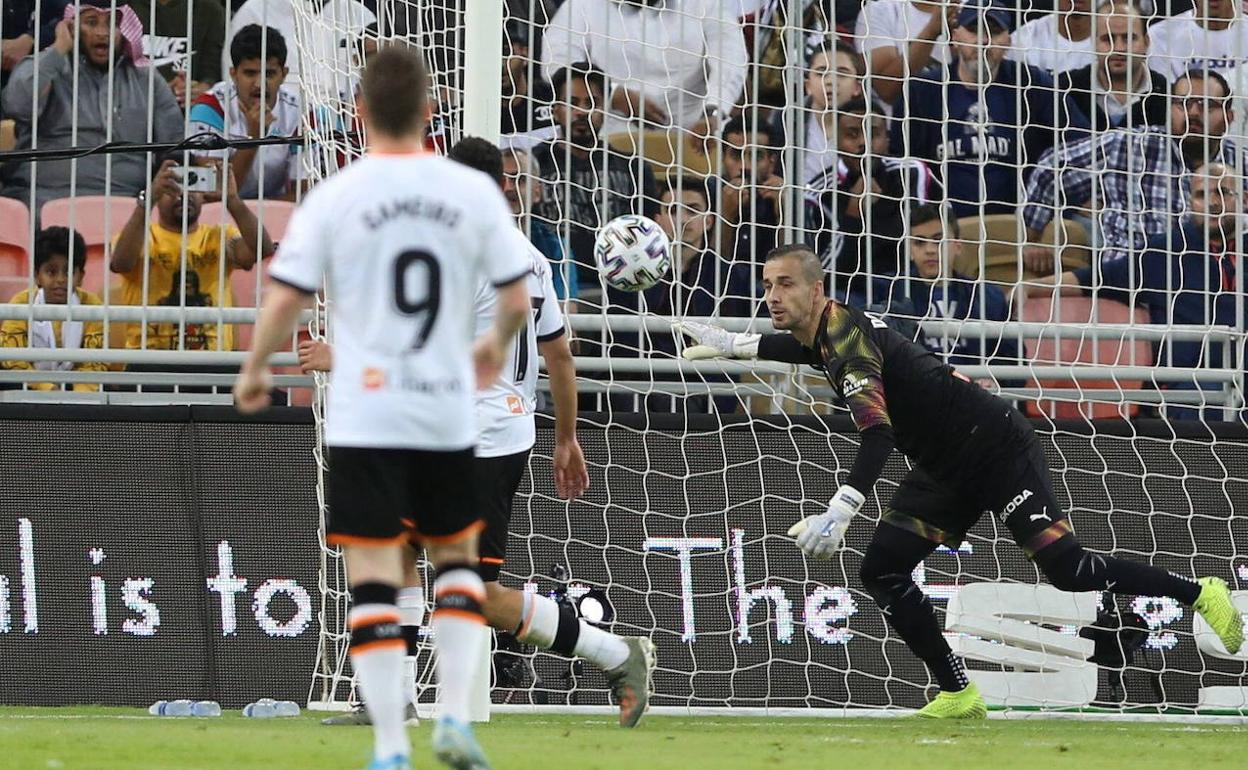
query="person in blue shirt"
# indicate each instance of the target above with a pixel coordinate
(980, 120)
(1185, 276)
(524, 191)
(929, 289)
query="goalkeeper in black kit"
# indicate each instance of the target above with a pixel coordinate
(971, 452)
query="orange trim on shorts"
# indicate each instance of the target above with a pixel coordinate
(475, 617)
(379, 644)
(377, 617)
(455, 537)
(490, 560)
(361, 540)
(409, 523)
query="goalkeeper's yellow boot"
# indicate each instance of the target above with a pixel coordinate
(963, 704)
(1215, 606)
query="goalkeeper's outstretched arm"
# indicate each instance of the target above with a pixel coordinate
(859, 380)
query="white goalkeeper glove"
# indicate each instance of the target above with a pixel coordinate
(714, 342)
(819, 537)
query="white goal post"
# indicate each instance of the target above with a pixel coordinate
(698, 470)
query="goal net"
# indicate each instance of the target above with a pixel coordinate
(740, 126)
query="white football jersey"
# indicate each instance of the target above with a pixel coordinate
(505, 410)
(402, 243)
(1180, 43)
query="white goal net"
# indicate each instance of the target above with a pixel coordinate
(743, 125)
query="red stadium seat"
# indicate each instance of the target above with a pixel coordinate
(1072, 347)
(14, 243)
(98, 218)
(274, 215)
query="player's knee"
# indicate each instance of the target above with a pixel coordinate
(877, 575)
(457, 552)
(1067, 568)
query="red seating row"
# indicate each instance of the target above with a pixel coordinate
(98, 218)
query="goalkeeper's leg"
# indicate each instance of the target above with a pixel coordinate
(886, 573)
(1070, 567)
(1040, 527)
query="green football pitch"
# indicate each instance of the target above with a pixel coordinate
(108, 738)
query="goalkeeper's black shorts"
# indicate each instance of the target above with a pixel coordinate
(1011, 484)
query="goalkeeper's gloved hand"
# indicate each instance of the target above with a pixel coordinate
(714, 342)
(819, 537)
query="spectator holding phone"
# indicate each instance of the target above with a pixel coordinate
(148, 258)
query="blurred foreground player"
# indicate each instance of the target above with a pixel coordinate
(507, 432)
(972, 453)
(405, 239)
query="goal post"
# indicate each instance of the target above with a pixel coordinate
(698, 469)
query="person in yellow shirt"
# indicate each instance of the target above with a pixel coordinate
(52, 277)
(213, 251)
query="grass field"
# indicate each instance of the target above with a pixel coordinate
(113, 739)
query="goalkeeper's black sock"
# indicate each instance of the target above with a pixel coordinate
(1072, 568)
(886, 574)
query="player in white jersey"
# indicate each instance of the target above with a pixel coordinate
(402, 239)
(506, 435)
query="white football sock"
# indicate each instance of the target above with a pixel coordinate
(412, 606)
(540, 625)
(378, 665)
(602, 648)
(411, 616)
(459, 632)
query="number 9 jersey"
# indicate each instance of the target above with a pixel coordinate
(401, 244)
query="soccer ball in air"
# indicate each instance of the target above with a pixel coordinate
(632, 253)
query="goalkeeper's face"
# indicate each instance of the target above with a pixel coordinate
(792, 298)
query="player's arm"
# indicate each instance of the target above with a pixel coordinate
(277, 322)
(297, 274)
(862, 388)
(714, 342)
(571, 477)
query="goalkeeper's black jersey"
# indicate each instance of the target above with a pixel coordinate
(938, 418)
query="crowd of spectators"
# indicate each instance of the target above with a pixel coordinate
(904, 126)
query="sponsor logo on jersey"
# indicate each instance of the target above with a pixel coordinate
(1012, 505)
(374, 379)
(1043, 515)
(852, 385)
(515, 405)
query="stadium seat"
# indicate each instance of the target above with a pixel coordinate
(276, 215)
(998, 236)
(1074, 347)
(14, 239)
(86, 214)
(660, 148)
(8, 135)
